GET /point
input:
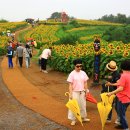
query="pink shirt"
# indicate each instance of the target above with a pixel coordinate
(77, 79)
(124, 81)
(46, 53)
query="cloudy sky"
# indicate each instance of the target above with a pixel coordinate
(17, 10)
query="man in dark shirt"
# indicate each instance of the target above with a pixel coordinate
(109, 85)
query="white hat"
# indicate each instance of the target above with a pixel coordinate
(112, 66)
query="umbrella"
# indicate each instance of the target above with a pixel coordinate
(74, 107)
(103, 112)
(72, 104)
(111, 98)
(106, 99)
(29, 39)
(105, 107)
(90, 98)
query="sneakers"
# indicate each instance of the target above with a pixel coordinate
(73, 123)
(108, 121)
(86, 120)
(44, 71)
(117, 122)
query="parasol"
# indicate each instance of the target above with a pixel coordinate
(105, 107)
(90, 98)
(29, 39)
(103, 112)
(72, 105)
(106, 99)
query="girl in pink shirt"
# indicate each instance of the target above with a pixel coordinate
(77, 88)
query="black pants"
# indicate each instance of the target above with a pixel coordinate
(20, 61)
(43, 63)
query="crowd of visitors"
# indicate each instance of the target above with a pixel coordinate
(20, 51)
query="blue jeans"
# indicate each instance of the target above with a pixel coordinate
(116, 107)
(10, 63)
(122, 107)
(27, 61)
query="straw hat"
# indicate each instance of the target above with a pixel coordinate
(112, 66)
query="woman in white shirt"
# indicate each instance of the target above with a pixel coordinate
(78, 87)
(44, 56)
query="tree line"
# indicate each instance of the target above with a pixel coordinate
(117, 33)
(3, 21)
(119, 18)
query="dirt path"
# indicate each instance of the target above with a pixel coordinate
(44, 93)
(14, 116)
(19, 31)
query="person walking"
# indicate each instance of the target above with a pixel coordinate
(26, 52)
(10, 56)
(44, 57)
(123, 94)
(19, 54)
(77, 90)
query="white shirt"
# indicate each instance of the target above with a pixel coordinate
(26, 52)
(46, 53)
(78, 80)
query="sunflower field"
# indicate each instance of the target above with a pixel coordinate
(70, 42)
(9, 26)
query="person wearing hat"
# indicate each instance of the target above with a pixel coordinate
(123, 94)
(111, 85)
(78, 87)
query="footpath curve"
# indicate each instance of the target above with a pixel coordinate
(31, 96)
(15, 116)
(33, 92)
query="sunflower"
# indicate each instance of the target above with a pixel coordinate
(110, 52)
(125, 46)
(111, 46)
(125, 54)
(118, 48)
(103, 50)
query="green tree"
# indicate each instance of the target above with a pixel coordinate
(121, 33)
(128, 20)
(55, 15)
(121, 18)
(3, 21)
